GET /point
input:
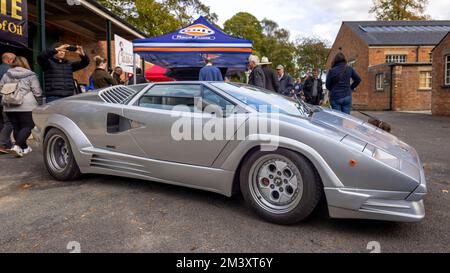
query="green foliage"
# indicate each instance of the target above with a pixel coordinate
(247, 26)
(397, 10)
(159, 17)
(311, 53)
(269, 40)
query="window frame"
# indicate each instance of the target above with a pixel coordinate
(428, 79)
(395, 58)
(202, 94)
(379, 88)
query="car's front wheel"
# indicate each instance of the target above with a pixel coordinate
(58, 156)
(281, 186)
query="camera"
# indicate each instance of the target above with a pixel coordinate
(72, 48)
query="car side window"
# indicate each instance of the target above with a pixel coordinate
(211, 98)
(167, 97)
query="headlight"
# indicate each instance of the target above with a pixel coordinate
(372, 151)
(387, 158)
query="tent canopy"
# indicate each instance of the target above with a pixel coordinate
(187, 48)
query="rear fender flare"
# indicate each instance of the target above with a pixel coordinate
(78, 140)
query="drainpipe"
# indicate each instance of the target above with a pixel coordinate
(391, 95)
(417, 54)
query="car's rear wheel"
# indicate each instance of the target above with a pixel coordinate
(58, 156)
(281, 186)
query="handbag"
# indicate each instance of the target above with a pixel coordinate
(11, 95)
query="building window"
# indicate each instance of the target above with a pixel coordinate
(396, 58)
(379, 80)
(447, 70)
(425, 80)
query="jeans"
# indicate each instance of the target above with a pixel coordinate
(6, 129)
(23, 124)
(343, 104)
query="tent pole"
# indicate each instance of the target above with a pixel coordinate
(134, 68)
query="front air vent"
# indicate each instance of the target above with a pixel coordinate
(117, 94)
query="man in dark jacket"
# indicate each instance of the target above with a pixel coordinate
(272, 82)
(139, 77)
(313, 89)
(286, 82)
(257, 77)
(59, 82)
(6, 127)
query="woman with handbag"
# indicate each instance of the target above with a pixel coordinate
(21, 91)
(339, 84)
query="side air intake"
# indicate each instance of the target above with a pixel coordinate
(117, 94)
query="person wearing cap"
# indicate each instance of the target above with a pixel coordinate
(210, 72)
(313, 89)
(257, 77)
(272, 82)
(286, 82)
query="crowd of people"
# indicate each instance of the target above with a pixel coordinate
(342, 80)
(21, 91)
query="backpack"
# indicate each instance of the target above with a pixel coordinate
(11, 95)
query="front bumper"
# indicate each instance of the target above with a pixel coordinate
(384, 210)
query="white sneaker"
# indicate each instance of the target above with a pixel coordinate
(16, 151)
(27, 151)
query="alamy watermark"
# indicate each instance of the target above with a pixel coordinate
(216, 123)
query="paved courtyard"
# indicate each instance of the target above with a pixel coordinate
(108, 214)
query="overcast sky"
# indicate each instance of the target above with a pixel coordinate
(320, 18)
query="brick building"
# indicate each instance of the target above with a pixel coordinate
(440, 102)
(393, 59)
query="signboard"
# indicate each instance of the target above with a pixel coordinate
(124, 54)
(14, 22)
(195, 32)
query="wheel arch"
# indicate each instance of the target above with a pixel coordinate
(76, 137)
(236, 159)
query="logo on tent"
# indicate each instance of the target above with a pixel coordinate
(197, 30)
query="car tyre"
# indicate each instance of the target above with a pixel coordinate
(283, 186)
(58, 156)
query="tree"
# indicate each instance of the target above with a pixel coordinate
(311, 53)
(276, 45)
(268, 38)
(397, 10)
(187, 10)
(246, 26)
(159, 17)
(154, 18)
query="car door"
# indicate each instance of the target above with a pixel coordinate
(175, 121)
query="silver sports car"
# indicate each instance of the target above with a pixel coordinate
(281, 154)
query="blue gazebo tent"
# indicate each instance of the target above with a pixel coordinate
(183, 51)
